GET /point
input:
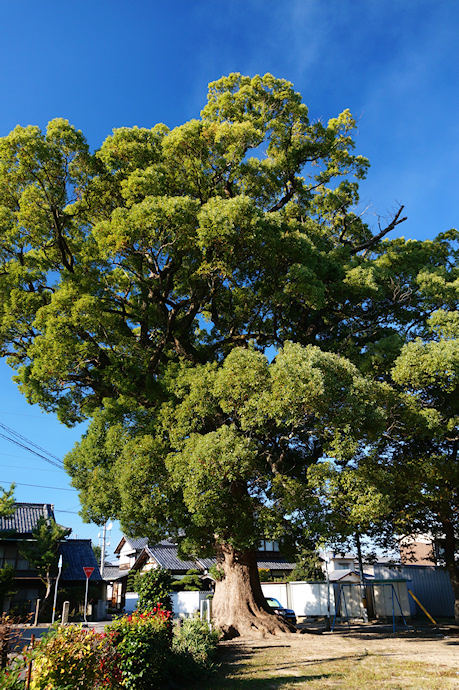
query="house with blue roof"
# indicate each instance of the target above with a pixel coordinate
(76, 554)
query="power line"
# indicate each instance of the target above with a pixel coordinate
(22, 414)
(21, 467)
(21, 445)
(38, 486)
(29, 445)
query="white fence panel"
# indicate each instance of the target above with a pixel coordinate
(187, 603)
(385, 598)
(277, 590)
(305, 598)
(310, 598)
(350, 599)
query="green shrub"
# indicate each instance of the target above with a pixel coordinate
(73, 657)
(307, 566)
(10, 677)
(136, 652)
(155, 587)
(143, 643)
(190, 582)
(194, 648)
(10, 638)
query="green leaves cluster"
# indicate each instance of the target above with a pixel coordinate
(111, 260)
(72, 657)
(154, 588)
(7, 501)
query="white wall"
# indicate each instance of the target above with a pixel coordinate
(126, 556)
(305, 598)
(384, 599)
(183, 603)
(310, 598)
(187, 603)
(278, 590)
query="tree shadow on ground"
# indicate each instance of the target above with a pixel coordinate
(233, 661)
(271, 683)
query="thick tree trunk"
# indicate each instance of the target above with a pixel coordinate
(452, 565)
(239, 606)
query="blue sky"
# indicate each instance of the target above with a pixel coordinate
(106, 64)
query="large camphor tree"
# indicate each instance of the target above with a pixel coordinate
(147, 286)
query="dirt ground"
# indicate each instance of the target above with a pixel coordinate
(439, 647)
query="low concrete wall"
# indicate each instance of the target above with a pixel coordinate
(184, 604)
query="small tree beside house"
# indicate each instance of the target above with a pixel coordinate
(43, 552)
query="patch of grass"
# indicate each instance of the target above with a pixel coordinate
(275, 667)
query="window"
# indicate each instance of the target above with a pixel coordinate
(9, 555)
(268, 545)
(22, 564)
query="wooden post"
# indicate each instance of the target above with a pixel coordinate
(65, 612)
(37, 609)
(29, 669)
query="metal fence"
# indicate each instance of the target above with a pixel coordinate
(430, 584)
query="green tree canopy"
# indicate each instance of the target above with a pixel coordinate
(141, 284)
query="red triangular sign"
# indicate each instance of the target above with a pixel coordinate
(88, 571)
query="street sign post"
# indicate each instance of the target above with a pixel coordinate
(88, 572)
(59, 566)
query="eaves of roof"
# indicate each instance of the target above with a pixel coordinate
(25, 517)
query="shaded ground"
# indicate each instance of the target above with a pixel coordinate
(427, 659)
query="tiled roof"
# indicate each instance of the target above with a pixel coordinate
(166, 557)
(337, 575)
(77, 554)
(112, 572)
(25, 517)
(279, 564)
(165, 554)
(206, 563)
(136, 543)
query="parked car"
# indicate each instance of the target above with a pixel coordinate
(278, 609)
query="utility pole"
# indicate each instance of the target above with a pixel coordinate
(55, 588)
(327, 577)
(107, 528)
(102, 551)
(362, 577)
